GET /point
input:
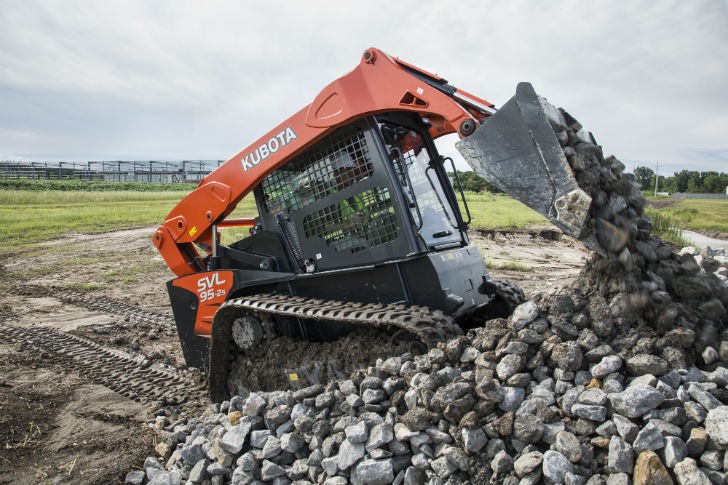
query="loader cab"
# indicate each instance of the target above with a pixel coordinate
(371, 192)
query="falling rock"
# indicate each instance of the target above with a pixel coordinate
(716, 425)
(649, 470)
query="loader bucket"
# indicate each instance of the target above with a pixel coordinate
(516, 150)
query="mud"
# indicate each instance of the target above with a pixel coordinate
(83, 433)
(287, 363)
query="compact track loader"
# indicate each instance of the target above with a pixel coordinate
(358, 224)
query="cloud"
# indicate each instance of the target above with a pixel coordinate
(190, 79)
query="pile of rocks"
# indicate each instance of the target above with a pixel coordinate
(620, 379)
(509, 403)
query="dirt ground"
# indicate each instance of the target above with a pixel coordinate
(57, 427)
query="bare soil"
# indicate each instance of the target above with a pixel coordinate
(57, 427)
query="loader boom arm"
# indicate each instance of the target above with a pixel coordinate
(378, 84)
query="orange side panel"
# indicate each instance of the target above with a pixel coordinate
(212, 289)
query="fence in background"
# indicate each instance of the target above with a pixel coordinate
(678, 195)
(112, 171)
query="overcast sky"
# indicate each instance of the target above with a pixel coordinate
(123, 80)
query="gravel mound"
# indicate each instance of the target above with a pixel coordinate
(619, 379)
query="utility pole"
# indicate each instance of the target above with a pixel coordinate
(657, 175)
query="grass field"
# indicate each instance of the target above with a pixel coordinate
(493, 211)
(696, 214)
(28, 217)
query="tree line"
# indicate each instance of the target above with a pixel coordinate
(685, 181)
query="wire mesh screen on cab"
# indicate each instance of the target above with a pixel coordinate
(364, 220)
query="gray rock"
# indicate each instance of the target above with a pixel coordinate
(636, 400)
(272, 447)
(232, 441)
(608, 365)
(192, 454)
(199, 471)
(509, 365)
(674, 451)
(374, 472)
(716, 425)
(357, 433)
(501, 463)
(618, 479)
(641, 364)
(457, 457)
(292, 442)
(414, 476)
(695, 412)
(218, 469)
(528, 428)
(568, 445)
(166, 478)
(254, 405)
(349, 454)
(626, 428)
(649, 438)
(555, 466)
(380, 435)
(567, 356)
(593, 413)
(512, 398)
(527, 462)
(621, 456)
(474, 440)
(688, 473)
(593, 397)
(442, 467)
(134, 477)
(705, 398)
(712, 459)
(524, 314)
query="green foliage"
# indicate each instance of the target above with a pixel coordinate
(666, 227)
(645, 177)
(92, 186)
(698, 214)
(472, 182)
(692, 182)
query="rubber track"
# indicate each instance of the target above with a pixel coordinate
(133, 377)
(428, 325)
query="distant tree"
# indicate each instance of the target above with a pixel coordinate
(715, 183)
(472, 182)
(644, 176)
